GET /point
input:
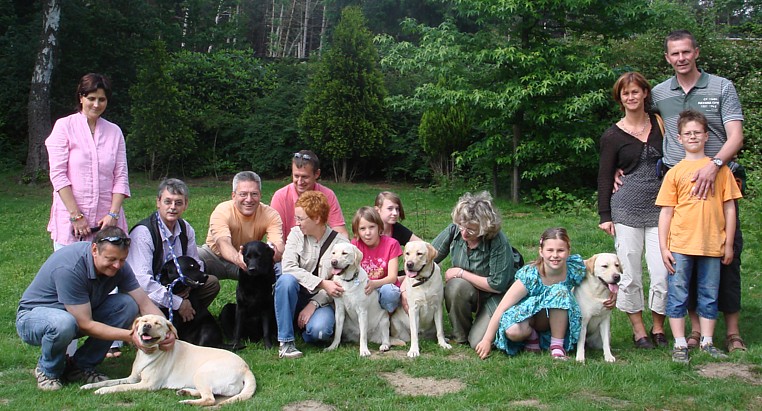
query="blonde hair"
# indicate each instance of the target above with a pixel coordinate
(478, 209)
(369, 214)
(557, 233)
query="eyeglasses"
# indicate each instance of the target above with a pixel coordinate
(300, 219)
(300, 156)
(116, 240)
(244, 194)
(693, 133)
(464, 229)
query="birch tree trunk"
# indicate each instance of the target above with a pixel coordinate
(38, 108)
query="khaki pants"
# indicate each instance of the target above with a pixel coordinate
(462, 300)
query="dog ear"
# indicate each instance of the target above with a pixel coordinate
(590, 263)
(358, 256)
(432, 252)
(134, 325)
(172, 328)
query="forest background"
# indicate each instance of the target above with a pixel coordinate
(505, 95)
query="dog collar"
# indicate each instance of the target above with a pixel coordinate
(354, 277)
(421, 281)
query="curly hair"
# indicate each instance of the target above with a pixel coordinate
(478, 209)
(315, 205)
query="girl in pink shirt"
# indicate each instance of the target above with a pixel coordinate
(88, 167)
(380, 257)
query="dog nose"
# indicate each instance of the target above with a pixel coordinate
(616, 278)
(334, 262)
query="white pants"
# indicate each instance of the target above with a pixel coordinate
(630, 243)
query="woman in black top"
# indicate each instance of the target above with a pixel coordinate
(634, 145)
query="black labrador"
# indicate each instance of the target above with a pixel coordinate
(252, 317)
(203, 328)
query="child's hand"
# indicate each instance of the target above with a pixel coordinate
(610, 303)
(483, 348)
(369, 287)
(669, 261)
(727, 258)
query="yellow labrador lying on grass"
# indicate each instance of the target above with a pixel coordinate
(601, 281)
(199, 371)
(357, 314)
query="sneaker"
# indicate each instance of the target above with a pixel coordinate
(46, 383)
(681, 355)
(713, 351)
(84, 376)
(288, 350)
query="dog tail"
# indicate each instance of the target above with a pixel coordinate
(396, 342)
(249, 386)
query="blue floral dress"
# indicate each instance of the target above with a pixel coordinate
(541, 297)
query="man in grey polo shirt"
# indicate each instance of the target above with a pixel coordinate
(716, 98)
(69, 298)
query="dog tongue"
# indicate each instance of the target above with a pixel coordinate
(410, 274)
(145, 337)
(614, 288)
(336, 271)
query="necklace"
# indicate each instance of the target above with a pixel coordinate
(635, 133)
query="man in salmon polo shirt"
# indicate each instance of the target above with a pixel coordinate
(305, 170)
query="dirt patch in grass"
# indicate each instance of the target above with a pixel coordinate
(536, 404)
(308, 406)
(407, 385)
(401, 354)
(743, 372)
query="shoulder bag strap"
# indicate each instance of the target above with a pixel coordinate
(323, 249)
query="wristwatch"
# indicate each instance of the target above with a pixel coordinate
(717, 161)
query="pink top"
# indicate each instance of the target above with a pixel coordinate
(285, 198)
(94, 166)
(376, 260)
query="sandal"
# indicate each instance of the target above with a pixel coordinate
(558, 356)
(731, 341)
(114, 352)
(532, 346)
(694, 340)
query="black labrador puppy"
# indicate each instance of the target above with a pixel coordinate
(203, 328)
(252, 317)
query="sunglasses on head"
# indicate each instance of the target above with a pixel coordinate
(300, 156)
(116, 240)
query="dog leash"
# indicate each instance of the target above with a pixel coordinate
(173, 256)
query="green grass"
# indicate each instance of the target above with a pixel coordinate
(638, 380)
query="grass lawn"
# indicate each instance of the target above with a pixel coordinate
(390, 381)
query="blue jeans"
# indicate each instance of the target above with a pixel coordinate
(53, 329)
(291, 298)
(708, 283)
(389, 297)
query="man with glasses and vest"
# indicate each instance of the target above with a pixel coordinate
(162, 237)
(237, 221)
(305, 171)
(69, 298)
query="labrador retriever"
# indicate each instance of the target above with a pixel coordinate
(198, 371)
(203, 328)
(252, 316)
(425, 293)
(356, 313)
(602, 279)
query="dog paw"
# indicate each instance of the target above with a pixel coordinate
(413, 353)
(580, 359)
(445, 345)
(101, 391)
(610, 358)
(365, 353)
(182, 392)
(331, 347)
(86, 387)
(383, 348)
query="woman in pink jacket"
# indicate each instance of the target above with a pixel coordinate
(88, 167)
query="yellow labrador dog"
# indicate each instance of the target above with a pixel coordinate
(198, 371)
(601, 280)
(425, 292)
(357, 314)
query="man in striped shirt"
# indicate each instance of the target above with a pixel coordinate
(716, 98)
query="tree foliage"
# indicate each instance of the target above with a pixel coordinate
(345, 114)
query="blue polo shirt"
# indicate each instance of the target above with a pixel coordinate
(68, 277)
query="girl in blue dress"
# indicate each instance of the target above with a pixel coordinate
(540, 303)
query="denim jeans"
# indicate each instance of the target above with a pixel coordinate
(707, 278)
(53, 329)
(291, 298)
(389, 297)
